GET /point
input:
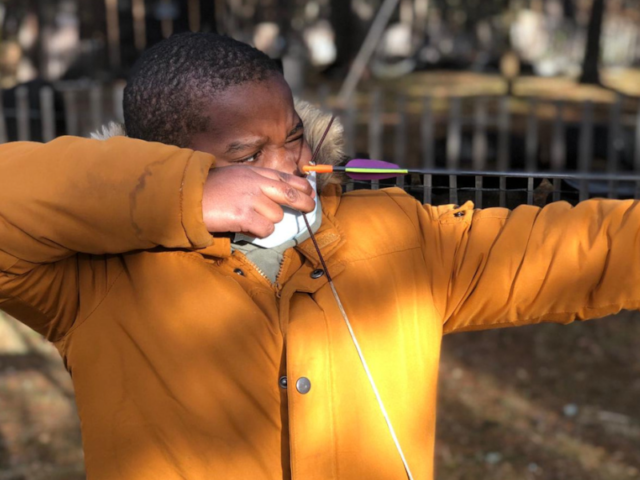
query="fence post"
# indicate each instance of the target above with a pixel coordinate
(636, 158)
(349, 131)
(503, 145)
(558, 148)
(71, 112)
(454, 142)
(615, 143)
(47, 114)
(139, 24)
(479, 145)
(3, 125)
(118, 97)
(401, 137)
(193, 8)
(166, 24)
(531, 145)
(23, 115)
(323, 96)
(113, 32)
(585, 148)
(428, 150)
(376, 130)
(95, 100)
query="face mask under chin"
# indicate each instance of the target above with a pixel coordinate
(291, 227)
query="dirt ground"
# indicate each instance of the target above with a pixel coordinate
(543, 402)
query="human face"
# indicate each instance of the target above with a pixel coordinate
(255, 124)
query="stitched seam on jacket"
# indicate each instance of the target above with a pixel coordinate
(15, 262)
(79, 323)
(437, 221)
(529, 321)
(182, 182)
(421, 235)
(488, 254)
(32, 306)
(17, 227)
(524, 255)
(333, 388)
(415, 226)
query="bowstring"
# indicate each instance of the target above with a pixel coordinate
(345, 317)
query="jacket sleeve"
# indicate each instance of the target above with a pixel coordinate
(497, 268)
(76, 196)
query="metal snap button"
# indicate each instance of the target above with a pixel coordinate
(317, 273)
(303, 385)
(282, 381)
(239, 272)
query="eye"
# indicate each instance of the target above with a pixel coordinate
(295, 139)
(250, 159)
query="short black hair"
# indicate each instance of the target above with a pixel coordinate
(172, 81)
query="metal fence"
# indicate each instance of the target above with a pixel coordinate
(40, 112)
(493, 150)
(501, 150)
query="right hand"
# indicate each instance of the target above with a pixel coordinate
(248, 199)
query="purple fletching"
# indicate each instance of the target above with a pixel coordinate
(363, 163)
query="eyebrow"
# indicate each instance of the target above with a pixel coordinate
(237, 146)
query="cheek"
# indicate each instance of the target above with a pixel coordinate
(305, 154)
(298, 153)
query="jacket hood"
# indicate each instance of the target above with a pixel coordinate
(315, 123)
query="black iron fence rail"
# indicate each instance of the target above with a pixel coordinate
(494, 150)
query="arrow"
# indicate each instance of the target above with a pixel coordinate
(360, 169)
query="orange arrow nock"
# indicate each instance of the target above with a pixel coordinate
(318, 168)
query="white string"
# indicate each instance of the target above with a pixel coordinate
(373, 384)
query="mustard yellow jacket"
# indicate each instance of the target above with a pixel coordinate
(177, 346)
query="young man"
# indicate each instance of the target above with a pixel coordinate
(196, 358)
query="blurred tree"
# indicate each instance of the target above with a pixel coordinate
(349, 32)
(569, 10)
(590, 65)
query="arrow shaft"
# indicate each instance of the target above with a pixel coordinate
(398, 171)
(620, 177)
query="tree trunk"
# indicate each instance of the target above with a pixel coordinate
(590, 71)
(348, 32)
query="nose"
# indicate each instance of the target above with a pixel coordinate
(289, 160)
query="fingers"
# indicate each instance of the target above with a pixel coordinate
(259, 226)
(299, 183)
(250, 199)
(284, 194)
(269, 210)
(286, 189)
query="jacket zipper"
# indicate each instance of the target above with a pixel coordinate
(275, 286)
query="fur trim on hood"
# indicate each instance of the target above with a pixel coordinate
(315, 123)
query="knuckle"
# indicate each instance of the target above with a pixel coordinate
(291, 194)
(243, 211)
